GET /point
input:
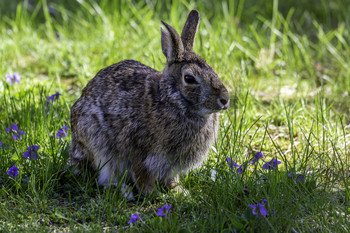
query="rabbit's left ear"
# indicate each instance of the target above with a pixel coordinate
(190, 29)
(172, 46)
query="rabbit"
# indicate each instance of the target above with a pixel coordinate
(140, 126)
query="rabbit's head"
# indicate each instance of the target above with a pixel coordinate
(190, 77)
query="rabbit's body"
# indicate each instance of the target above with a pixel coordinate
(150, 126)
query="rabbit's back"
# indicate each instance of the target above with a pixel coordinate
(114, 98)
(109, 115)
(124, 77)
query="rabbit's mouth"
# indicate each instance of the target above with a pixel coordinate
(210, 106)
(207, 111)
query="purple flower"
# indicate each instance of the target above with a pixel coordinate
(62, 133)
(258, 156)
(234, 164)
(134, 218)
(272, 164)
(162, 211)
(53, 97)
(16, 135)
(52, 11)
(13, 127)
(240, 169)
(4, 146)
(13, 171)
(299, 178)
(259, 209)
(31, 153)
(13, 78)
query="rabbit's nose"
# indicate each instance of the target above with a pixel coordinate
(224, 102)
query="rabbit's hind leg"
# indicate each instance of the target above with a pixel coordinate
(145, 181)
(111, 173)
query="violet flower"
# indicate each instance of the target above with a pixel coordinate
(134, 218)
(62, 133)
(13, 78)
(53, 97)
(272, 164)
(13, 171)
(31, 153)
(233, 164)
(162, 211)
(298, 178)
(259, 209)
(258, 156)
(16, 134)
(13, 127)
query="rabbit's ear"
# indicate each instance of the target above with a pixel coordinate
(190, 29)
(172, 46)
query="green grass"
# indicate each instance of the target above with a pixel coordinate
(287, 68)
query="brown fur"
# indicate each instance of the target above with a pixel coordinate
(152, 125)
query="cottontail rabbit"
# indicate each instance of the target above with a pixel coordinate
(144, 125)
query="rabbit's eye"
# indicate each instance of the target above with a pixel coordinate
(189, 79)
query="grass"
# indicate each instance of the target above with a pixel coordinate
(286, 66)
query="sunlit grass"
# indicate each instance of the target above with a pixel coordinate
(287, 71)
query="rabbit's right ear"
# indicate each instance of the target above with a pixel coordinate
(190, 29)
(172, 46)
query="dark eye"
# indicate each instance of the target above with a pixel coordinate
(189, 79)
